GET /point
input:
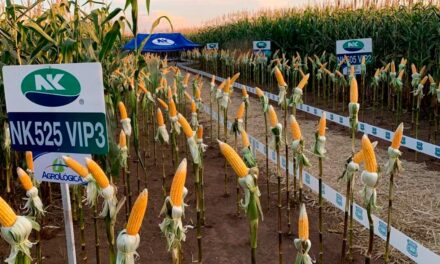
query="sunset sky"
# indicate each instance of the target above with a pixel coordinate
(187, 13)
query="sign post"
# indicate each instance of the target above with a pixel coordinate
(211, 46)
(354, 49)
(54, 110)
(262, 46)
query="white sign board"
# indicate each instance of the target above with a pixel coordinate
(212, 46)
(262, 46)
(354, 49)
(56, 108)
(50, 167)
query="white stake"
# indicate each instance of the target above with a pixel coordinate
(68, 224)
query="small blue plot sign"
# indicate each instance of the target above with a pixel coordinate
(56, 108)
(262, 46)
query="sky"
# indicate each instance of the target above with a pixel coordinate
(190, 13)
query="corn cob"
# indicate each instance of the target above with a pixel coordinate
(245, 139)
(29, 161)
(186, 79)
(137, 213)
(234, 78)
(370, 157)
(303, 224)
(76, 166)
(7, 215)
(122, 110)
(163, 104)
(213, 80)
(273, 117)
(185, 126)
(122, 139)
(227, 87)
(295, 129)
(401, 74)
(178, 184)
(97, 173)
(233, 159)
(193, 107)
(353, 91)
(169, 93)
(172, 107)
(159, 117)
(24, 178)
(240, 111)
(200, 132)
(358, 158)
(413, 68)
(279, 77)
(188, 97)
(424, 80)
(397, 138)
(303, 81)
(393, 67)
(244, 92)
(322, 125)
(259, 92)
(198, 93)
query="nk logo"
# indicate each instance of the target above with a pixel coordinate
(353, 45)
(50, 87)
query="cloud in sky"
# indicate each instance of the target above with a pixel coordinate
(188, 13)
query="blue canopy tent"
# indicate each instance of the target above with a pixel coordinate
(161, 42)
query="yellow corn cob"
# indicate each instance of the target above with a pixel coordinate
(188, 97)
(97, 173)
(220, 87)
(76, 166)
(159, 117)
(322, 125)
(376, 74)
(186, 79)
(172, 107)
(137, 213)
(164, 83)
(413, 68)
(303, 81)
(213, 79)
(198, 93)
(142, 88)
(403, 61)
(370, 157)
(259, 92)
(163, 104)
(227, 87)
(397, 138)
(294, 126)
(273, 116)
(233, 159)
(422, 70)
(235, 77)
(387, 67)
(193, 106)
(244, 91)
(431, 80)
(7, 215)
(185, 126)
(176, 191)
(303, 224)
(358, 157)
(279, 77)
(240, 111)
(200, 132)
(423, 81)
(24, 178)
(122, 139)
(245, 139)
(29, 161)
(122, 110)
(401, 74)
(393, 67)
(353, 91)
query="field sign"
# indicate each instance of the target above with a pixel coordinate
(56, 108)
(50, 167)
(212, 46)
(262, 46)
(354, 49)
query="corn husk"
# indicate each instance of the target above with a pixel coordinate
(127, 246)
